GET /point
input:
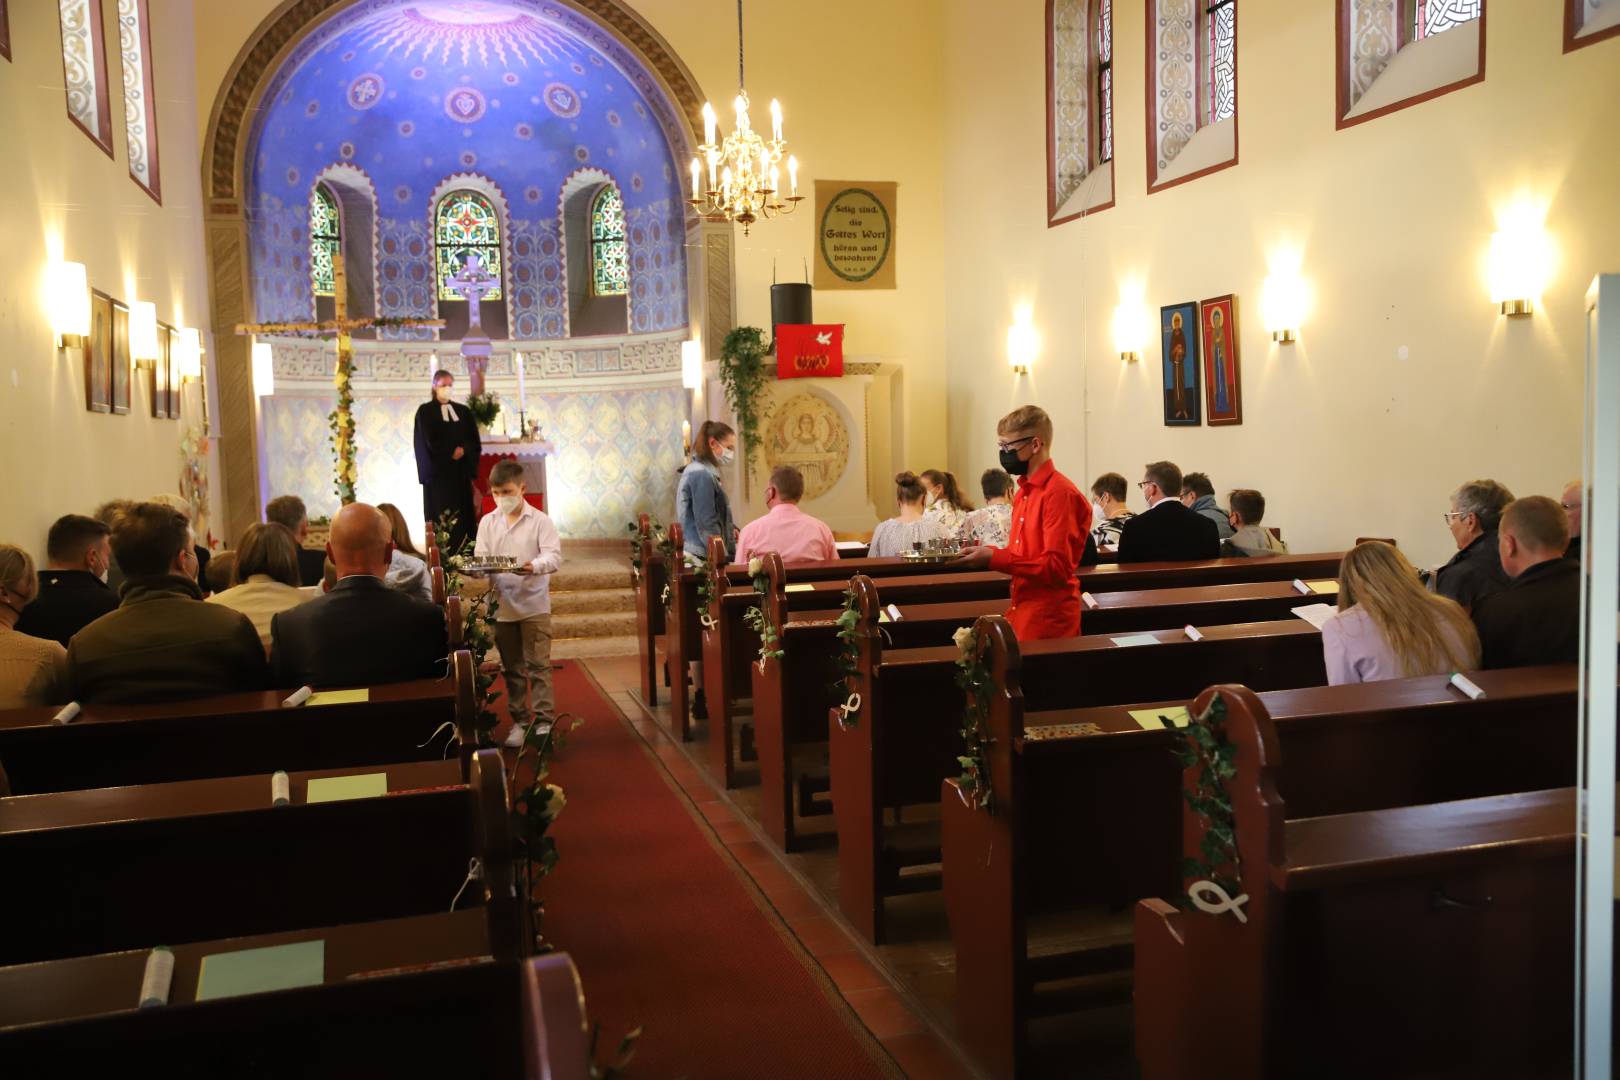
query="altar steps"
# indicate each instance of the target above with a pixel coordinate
(593, 602)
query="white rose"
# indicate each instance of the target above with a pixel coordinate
(963, 638)
(555, 802)
(754, 566)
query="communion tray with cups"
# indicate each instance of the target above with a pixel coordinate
(490, 564)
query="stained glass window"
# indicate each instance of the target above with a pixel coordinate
(610, 257)
(1437, 16)
(1220, 20)
(466, 224)
(324, 231)
(1105, 81)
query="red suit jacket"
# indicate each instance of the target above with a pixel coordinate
(1050, 521)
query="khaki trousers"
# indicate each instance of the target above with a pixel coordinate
(525, 646)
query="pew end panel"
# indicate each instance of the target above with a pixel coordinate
(556, 1033)
(771, 712)
(509, 915)
(649, 587)
(853, 773)
(436, 576)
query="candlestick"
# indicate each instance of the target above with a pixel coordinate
(686, 436)
(776, 120)
(517, 361)
(709, 123)
(793, 173)
(696, 194)
(775, 182)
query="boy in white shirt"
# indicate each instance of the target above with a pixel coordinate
(523, 619)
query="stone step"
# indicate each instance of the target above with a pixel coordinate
(586, 601)
(593, 624)
(592, 574)
(575, 648)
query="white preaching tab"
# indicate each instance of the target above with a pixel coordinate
(1467, 686)
(1315, 614)
(1301, 588)
(1192, 633)
(1136, 639)
(1089, 600)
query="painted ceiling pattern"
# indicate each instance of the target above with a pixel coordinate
(514, 94)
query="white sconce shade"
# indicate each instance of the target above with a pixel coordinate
(264, 370)
(1520, 263)
(143, 332)
(692, 365)
(188, 353)
(1283, 302)
(1023, 345)
(1129, 323)
(69, 292)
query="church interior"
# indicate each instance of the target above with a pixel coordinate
(659, 538)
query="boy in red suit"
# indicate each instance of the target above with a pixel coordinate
(1050, 520)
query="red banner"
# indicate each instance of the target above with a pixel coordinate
(810, 351)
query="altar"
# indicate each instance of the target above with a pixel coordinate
(530, 453)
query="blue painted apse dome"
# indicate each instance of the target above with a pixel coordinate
(403, 102)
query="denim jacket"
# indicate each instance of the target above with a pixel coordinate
(703, 510)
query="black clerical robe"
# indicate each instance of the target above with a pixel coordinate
(447, 483)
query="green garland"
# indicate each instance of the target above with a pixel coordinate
(340, 423)
(846, 659)
(973, 679)
(705, 590)
(769, 641)
(478, 626)
(742, 374)
(1204, 744)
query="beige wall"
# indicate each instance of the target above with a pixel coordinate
(62, 197)
(1393, 219)
(860, 90)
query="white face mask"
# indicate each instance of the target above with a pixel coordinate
(509, 503)
(1097, 513)
(727, 456)
(441, 394)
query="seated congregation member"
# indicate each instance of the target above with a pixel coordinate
(701, 505)
(265, 578)
(1389, 626)
(523, 615)
(362, 632)
(1475, 572)
(175, 502)
(407, 567)
(910, 527)
(33, 670)
(785, 529)
(73, 588)
(1570, 502)
(107, 513)
(163, 643)
(1168, 530)
(1108, 520)
(1051, 527)
(1247, 508)
(945, 501)
(221, 573)
(991, 524)
(1199, 496)
(1537, 618)
(288, 511)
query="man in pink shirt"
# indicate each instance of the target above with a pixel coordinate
(785, 529)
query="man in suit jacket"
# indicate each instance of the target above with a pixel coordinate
(362, 632)
(1537, 618)
(73, 590)
(1168, 531)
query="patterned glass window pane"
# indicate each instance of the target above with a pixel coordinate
(466, 224)
(1222, 21)
(1108, 115)
(1438, 16)
(323, 241)
(1105, 81)
(610, 256)
(140, 116)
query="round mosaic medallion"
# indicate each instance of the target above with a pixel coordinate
(464, 104)
(561, 99)
(366, 90)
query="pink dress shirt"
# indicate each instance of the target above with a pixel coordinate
(791, 533)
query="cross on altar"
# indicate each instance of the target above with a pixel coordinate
(341, 419)
(473, 282)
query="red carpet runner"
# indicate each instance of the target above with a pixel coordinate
(665, 932)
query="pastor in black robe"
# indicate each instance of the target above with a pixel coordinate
(447, 482)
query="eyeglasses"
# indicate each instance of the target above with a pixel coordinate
(1454, 514)
(1145, 484)
(1014, 443)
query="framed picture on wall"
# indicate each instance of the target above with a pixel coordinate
(98, 354)
(160, 374)
(1178, 328)
(177, 385)
(120, 358)
(1223, 383)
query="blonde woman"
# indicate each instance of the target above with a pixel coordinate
(33, 671)
(945, 501)
(1389, 627)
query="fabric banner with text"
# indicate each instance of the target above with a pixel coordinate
(810, 351)
(855, 226)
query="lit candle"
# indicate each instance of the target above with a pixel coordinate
(686, 436)
(517, 362)
(793, 173)
(739, 105)
(710, 121)
(776, 120)
(714, 159)
(696, 194)
(775, 183)
(725, 181)
(764, 166)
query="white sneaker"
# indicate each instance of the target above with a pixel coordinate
(514, 738)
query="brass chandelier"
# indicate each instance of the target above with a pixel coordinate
(744, 177)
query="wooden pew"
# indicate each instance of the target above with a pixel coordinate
(1432, 939)
(649, 584)
(1113, 577)
(494, 1018)
(1087, 810)
(159, 864)
(903, 740)
(237, 735)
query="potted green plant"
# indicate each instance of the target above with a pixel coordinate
(484, 408)
(742, 374)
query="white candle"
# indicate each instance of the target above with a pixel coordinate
(686, 435)
(714, 160)
(776, 120)
(709, 123)
(696, 194)
(517, 362)
(739, 105)
(725, 180)
(793, 173)
(775, 182)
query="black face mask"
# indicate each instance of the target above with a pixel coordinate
(1011, 464)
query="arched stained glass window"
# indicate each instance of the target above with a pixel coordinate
(1432, 17)
(466, 224)
(610, 257)
(324, 236)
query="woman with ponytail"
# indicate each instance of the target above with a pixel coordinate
(701, 505)
(946, 501)
(910, 526)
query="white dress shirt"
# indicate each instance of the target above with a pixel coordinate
(261, 597)
(532, 539)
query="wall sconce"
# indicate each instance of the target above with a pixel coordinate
(70, 303)
(692, 364)
(187, 353)
(1284, 298)
(143, 333)
(264, 370)
(1520, 261)
(1023, 344)
(1129, 319)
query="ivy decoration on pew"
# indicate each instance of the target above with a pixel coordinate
(477, 628)
(536, 805)
(846, 659)
(1204, 745)
(973, 679)
(705, 592)
(660, 539)
(673, 560)
(770, 644)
